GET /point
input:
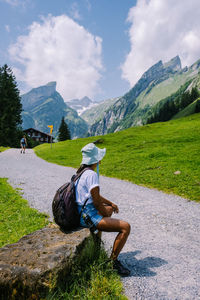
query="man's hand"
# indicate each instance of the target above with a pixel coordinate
(115, 208)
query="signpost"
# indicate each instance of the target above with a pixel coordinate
(51, 130)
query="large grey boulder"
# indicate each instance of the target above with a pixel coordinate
(39, 262)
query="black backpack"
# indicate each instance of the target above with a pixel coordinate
(64, 205)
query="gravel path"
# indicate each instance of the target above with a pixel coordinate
(163, 249)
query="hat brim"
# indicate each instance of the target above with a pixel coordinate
(101, 154)
(92, 160)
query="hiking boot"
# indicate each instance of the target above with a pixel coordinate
(121, 270)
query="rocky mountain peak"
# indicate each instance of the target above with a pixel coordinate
(80, 105)
(51, 87)
(46, 90)
(155, 74)
(196, 65)
(152, 74)
(174, 64)
(153, 70)
(32, 98)
(86, 101)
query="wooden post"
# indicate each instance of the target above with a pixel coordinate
(51, 130)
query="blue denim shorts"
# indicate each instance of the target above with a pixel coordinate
(92, 212)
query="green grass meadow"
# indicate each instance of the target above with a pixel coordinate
(16, 217)
(147, 155)
(3, 148)
(91, 278)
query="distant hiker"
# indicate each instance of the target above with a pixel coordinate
(23, 143)
(98, 210)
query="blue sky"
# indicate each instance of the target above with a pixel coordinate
(95, 48)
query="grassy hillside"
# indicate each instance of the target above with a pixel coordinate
(189, 110)
(147, 155)
(162, 90)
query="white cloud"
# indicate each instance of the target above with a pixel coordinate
(59, 49)
(161, 30)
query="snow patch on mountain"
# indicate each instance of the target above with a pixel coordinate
(81, 105)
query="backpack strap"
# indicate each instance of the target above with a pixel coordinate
(83, 207)
(76, 177)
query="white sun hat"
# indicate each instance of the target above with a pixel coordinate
(91, 154)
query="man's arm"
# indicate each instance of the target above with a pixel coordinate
(99, 202)
(107, 202)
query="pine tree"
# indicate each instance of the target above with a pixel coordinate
(194, 94)
(63, 133)
(197, 108)
(10, 108)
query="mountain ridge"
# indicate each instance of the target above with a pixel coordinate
(158, 82)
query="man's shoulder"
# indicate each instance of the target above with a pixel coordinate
(89, 172)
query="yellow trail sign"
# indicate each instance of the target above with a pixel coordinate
(51, 128)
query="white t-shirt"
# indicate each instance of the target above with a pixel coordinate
(88, 180)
